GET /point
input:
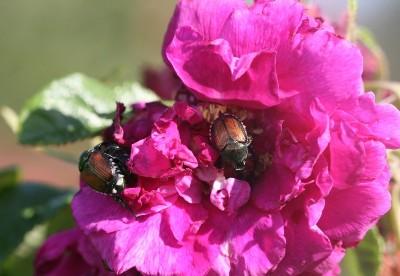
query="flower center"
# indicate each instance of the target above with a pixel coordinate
(232, 131)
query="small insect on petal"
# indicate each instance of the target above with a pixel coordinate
(229, 136)
(102, 168)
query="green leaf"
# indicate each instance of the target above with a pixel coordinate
(129, 93)
(21, 261)
(24, 206)
(10, 117)
(8, 178)
(73, 108)
(366, 258)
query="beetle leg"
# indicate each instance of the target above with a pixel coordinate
(249, 140)
(121, 201)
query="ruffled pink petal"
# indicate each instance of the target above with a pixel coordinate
(229, 194)
(166, 139)
(207, 174)
(205, 153)
(185, 219)
(256, 242)
(147, 242)
(207, 17)
(150, 246)
(88, 252)
(373, 121)
(276, 186)
(306, 247)
(189, 188)
(68, 253)
(351, 212)
(162, 154)
(214, 74)
(300, 143)
(143, 157)
(354, 161)
(331, 266)
(138, 127)
(162, 81)
(264, 26)
(71, 264)
(320, 64)
(323, 178)
(56, 244)
(150, 196)
(188, 113)
(118, 130)
(224, 50)
(112, 217)
(304, 135)
(154, 201)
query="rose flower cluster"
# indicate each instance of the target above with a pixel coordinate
(272, 159)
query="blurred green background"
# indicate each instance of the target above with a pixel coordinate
(46, 39)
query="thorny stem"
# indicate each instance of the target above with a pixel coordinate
(352, 7)
(395, 212)
(394, 162)
(391, 86)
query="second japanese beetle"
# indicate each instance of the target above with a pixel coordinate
(229, 136)
(103, 169)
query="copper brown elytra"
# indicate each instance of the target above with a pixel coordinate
(229, 136)
(103, 169)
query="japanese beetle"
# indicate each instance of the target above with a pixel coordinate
(229, 136)
(103, 169)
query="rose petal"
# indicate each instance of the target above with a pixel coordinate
(94, 211)
(214, 74)
(322, 65)
(306, 247)
(256, 242)
(351, 212)
(276, 186)
(373, 121)
(229, 194)
(354, 161)
(189, 188)
(150, 246)
(185, 219)
(143, 157)
(214, 51)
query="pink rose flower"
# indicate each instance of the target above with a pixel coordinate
(70, 253)
(374, 60)
(162, 81)
(230, 53)
(316, 176)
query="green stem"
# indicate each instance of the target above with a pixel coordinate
(395, 212)
(352, 7)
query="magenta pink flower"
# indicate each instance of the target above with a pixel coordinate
(70, 253)
(373, 58)
(316, 177)
(230, 53)
(162, 81)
